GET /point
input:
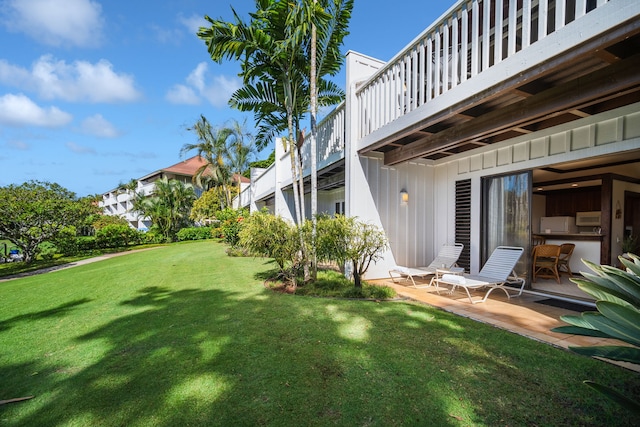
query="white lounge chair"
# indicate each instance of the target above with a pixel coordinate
(496, 272)
(446, 259)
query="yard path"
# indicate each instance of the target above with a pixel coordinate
(72, 264)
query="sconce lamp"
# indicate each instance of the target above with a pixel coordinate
(404, 196)
(618, 210)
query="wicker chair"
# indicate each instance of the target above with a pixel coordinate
(545, 262)
(566, 250)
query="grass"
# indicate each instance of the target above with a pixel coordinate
(183, 335)
(13, 268)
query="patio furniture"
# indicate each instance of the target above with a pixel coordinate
(539, 240)
(446, 258)
(545, 262)
(566, 250)
(495, 274)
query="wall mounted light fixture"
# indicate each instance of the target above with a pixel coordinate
(618, 210)
(404, 196)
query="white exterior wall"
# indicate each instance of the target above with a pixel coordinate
(418, 229)
(611, 132)
(359, 200)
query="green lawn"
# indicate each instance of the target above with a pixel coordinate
(184, 335)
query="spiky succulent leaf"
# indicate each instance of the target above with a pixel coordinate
(613, 352)
(576, 330)
(610, 327)
(632, 266)
(604, 294)
(615, 396)
(579, 320)
(626, 282)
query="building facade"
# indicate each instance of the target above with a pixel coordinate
(498, 114)
(118, 202)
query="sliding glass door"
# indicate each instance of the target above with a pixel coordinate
(506, 216)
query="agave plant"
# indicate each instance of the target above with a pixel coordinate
(617, 294)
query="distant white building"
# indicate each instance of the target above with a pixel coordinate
(118, 202)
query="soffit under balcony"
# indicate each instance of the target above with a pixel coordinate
(598, 76)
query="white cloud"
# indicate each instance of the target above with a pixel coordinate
(79, 81)
(181, 94)
(217, 90)
(75, 23)
(193, 22)
(18, 145)
(166, 35)
(72, 146)
(19, 110)
(197, 77)
(98, 126)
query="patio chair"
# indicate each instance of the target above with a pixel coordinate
(566, 250)
(446, 259)
(495, 274)
(545, 262)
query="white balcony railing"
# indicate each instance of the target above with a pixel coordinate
(458, 46)
(330, 142)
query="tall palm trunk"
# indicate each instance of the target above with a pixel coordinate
(313, 89)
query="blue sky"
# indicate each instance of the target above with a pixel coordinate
(94, 93)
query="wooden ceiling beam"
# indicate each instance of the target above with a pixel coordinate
(605, 82)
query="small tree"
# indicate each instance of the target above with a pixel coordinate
(264, 234)
(35, 212)
(348, 240)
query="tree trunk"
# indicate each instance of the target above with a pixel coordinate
(313, 88)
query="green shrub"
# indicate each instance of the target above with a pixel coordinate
(101, 221)
(231, 222)
(153, 236)
(66, 242)
(117, 236)
(347, 240)
(47, 251)
(264, 234)
(194, 233)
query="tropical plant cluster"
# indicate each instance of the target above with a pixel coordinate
(617, 294)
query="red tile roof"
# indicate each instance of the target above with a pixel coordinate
(190, 166)
(186, 167)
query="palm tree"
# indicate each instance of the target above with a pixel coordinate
(212, 147)
(241, 149)
(168, 207)
(273, 51)
(227, 152)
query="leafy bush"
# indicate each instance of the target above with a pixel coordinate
(231, 222)
(101, 221)
(66, 241)
(271, 236)
(47, 251)
(347, 240)
(116, 236)
(617, 294)
(153, 236)
(86, 244)
(194, 233)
